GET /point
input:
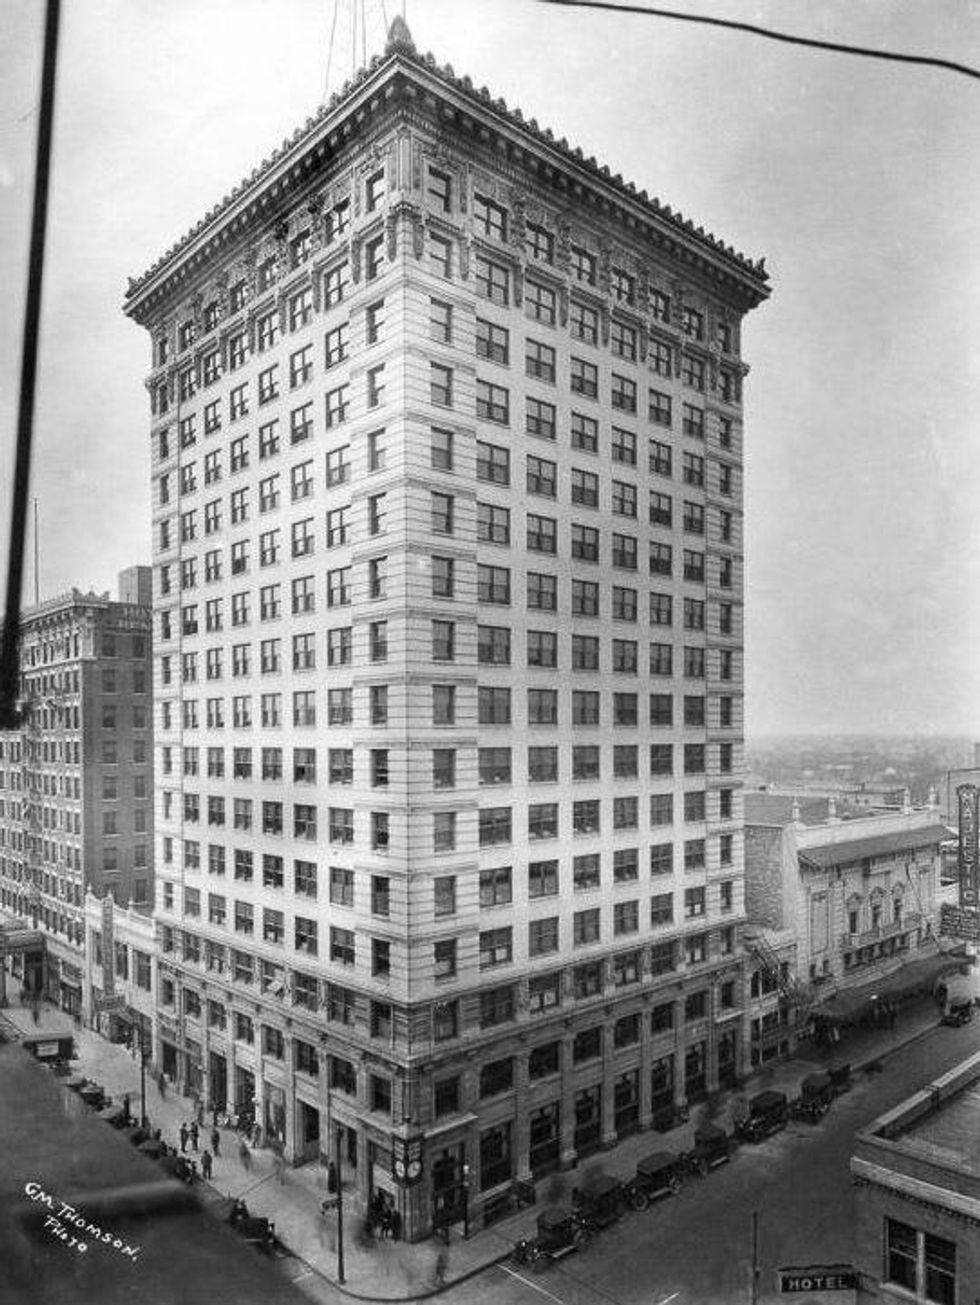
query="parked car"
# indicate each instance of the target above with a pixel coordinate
(600, 1203)
(255, 1229)
(93, 1095)
(840, 1077)
(559, 1232)
(657, 1175)
(768, 1112)
(959, 1013)
(816, 1096)
(712, 1147)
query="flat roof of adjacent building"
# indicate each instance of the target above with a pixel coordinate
(842, 851)
(951, 1133)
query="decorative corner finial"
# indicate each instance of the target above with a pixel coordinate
(399, 37)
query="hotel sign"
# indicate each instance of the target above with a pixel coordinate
(968, 800)
(831, 1277)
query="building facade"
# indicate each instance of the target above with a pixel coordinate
(916, 1172)
(447, 462)
(76, 778)
(861, 896)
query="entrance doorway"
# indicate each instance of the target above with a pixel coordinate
(217, 1081)
(308, 1124)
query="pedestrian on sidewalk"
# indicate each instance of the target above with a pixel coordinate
(183, 1138)
(279, 1164)
(215, 1141)
(441, 1268)
(245, 1155)
(126, 1105)
(162, 1084)
(193, 1130)
(206, 1163)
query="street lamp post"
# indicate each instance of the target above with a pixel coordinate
(142, 1031)
(340, 1213)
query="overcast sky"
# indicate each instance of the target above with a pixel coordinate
(855, 179)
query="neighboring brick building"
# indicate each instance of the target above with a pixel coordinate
(447, 512)
(917, 1174)
(76, 779)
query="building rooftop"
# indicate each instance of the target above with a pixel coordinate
(950, 1133)
(400, 53)
(842, 851)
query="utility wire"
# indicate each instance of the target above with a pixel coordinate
(947, 65)
(9, 648)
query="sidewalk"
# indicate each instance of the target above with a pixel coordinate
(402, 1271)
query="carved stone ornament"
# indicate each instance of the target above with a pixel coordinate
(355, 258)
(605, 266)
(563, 244)
(563, 305)
(518, 226)
(464, 259)
(418, 235)
(604, 324)
(518, 286)
(391, 231)
(644, 342)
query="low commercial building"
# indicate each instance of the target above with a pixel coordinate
(917, 1174)
(861, 896)
(119, 986)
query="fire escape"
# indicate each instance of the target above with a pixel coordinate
(799, 997)
(31, 805)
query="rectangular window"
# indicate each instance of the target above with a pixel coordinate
(585, 433)
(492, 403)
(492, 281)
(493, 645)
(492, 342)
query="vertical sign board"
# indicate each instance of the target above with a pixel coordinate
(108, 948)
(968, 801)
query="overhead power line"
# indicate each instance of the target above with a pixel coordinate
(947, 65)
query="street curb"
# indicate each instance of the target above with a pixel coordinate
(890, 1051)
(425, 1294)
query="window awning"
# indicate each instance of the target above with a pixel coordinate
(848, 1006)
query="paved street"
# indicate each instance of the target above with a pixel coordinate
(695, 1249)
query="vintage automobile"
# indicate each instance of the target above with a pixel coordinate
(840, 1077)
(768, 1112)
(93, 1095)
(960, 1012)
(559, 1232)
(816, 1096)
(600, 1203)
(256, 1230)
(712, 1147)
(658, 1174)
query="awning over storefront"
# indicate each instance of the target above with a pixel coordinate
(917, 976)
